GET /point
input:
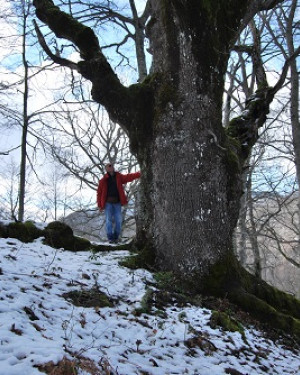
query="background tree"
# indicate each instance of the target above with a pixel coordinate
(191, 166)
(82, 139)
(24, 9)
(268, 230)
(9, 192)
(21, 68)
(291, 35)
(269, 185)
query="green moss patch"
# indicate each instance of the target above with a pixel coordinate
(25, 232)
(265, 313)
(155, 301)
(89, 298)
(143, 259)
(164, 279)
(226, 322)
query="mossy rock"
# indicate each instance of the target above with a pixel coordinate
(25, 232)
(3, 230)
(56, 234)
(60, 228)
(60, 235)
(32, 230)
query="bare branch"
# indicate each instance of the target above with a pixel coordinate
(57, 59)
(107, 88)
(285, 69)
(256, 6)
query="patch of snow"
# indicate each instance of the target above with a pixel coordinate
(38, 325)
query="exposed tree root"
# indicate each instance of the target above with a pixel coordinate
(228, 279)
(264, 302)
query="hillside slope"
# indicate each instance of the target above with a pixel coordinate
(51, 315)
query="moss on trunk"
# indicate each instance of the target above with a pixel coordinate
(65, 26)
(264, 302)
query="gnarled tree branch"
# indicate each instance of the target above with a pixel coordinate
(120, 102)
(65, 26)
(57, 59)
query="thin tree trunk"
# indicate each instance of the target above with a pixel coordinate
(252, 233)
(294, 97)
(22, 181)
(242, 226)
(139, 42)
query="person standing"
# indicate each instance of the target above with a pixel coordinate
(111, 196)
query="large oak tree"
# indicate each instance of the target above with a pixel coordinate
(191, 165)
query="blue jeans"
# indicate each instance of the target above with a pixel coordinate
(113, 216)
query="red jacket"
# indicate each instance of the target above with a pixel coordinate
(121, 179)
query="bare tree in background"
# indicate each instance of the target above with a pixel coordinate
(9, 189)
(268, 236)
(291, 34)
(82, 139)
(21, 66)
(30, 120)
(268, 231)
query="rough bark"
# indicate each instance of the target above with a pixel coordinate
(191, 166)
(190, 157)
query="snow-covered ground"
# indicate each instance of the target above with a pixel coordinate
(38, 325)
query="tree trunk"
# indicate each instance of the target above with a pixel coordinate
(195, 186)
(22, 181)
(193, 200)
(241, 246)
(252, 232)
(191, 166)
